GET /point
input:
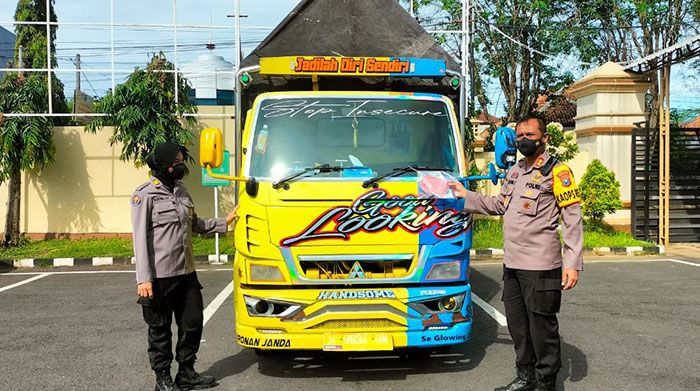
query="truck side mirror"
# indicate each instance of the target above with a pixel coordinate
(251, 187)
(211, 148)
(493, 174)
(505, 148)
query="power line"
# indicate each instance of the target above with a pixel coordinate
(93, 88)
(529, 48)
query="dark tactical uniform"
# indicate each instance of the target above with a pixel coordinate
(163, 222)
(532, 200)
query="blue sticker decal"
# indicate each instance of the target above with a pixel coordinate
(434, 329)
(422, 67)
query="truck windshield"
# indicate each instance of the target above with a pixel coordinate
(369, 135)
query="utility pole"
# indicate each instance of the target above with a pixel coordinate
(237, 16)
(77, 82)
(77, 74)
(472, 66)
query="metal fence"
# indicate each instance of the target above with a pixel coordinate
(684, 208)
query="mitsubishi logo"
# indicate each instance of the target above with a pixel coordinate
(356, 271)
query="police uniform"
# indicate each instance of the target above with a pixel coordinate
(163, 221)
(532, 201)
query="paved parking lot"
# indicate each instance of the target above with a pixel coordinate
(630, 324)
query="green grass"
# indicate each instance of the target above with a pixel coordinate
(205, 245)
(113, 247)
(66, 248)
(597, 235)
(487, 234)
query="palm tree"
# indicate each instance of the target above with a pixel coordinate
(144, 111)
(26, 143)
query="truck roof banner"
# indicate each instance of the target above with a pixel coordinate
(352, 66)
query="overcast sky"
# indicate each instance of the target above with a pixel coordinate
(134, 44)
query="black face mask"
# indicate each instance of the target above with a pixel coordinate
(162, 159)
(529, 147)
(178, 172)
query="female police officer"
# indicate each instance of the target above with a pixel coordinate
(163, 219)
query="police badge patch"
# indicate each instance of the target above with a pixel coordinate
(135, 200)
(564, 178)
(565, 190)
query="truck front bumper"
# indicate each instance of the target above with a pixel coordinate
(357, 319)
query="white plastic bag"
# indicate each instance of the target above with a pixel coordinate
(433, 184)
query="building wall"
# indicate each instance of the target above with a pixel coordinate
(612, 110)
(610, 103)
(614, 151)
(7, 47)
(87, 190)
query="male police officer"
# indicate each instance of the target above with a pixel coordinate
(537, 192)
(163, 220)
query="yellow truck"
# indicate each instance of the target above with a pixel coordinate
(348, 237)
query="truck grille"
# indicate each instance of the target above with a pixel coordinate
(357, 266)
(367, 324)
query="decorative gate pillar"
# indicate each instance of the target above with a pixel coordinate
(609, 102)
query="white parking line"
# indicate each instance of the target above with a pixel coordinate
(216, 303)
(684, 262)
(499, 317)
(28, 280)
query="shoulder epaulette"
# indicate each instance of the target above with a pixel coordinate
(547, 167)
(142, 186)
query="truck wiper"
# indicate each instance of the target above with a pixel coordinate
(398, 172)
(323, 168)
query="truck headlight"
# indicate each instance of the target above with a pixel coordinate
(444, 271)
(448, 304)
(270, 308)
(265, 273)
(452, 303)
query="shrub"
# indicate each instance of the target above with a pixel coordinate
(600, 192)
(561, 144)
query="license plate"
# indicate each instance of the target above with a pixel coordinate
(356, 342)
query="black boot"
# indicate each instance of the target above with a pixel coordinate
(188, 379)
(525, 380)
(164, 382)
(547, 383)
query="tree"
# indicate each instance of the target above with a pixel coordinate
(600, 192)
(144, 112)
(593, 31)
(515, 61)
(678, 117)
(32, 39)
(26, 143)
(627, 30)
